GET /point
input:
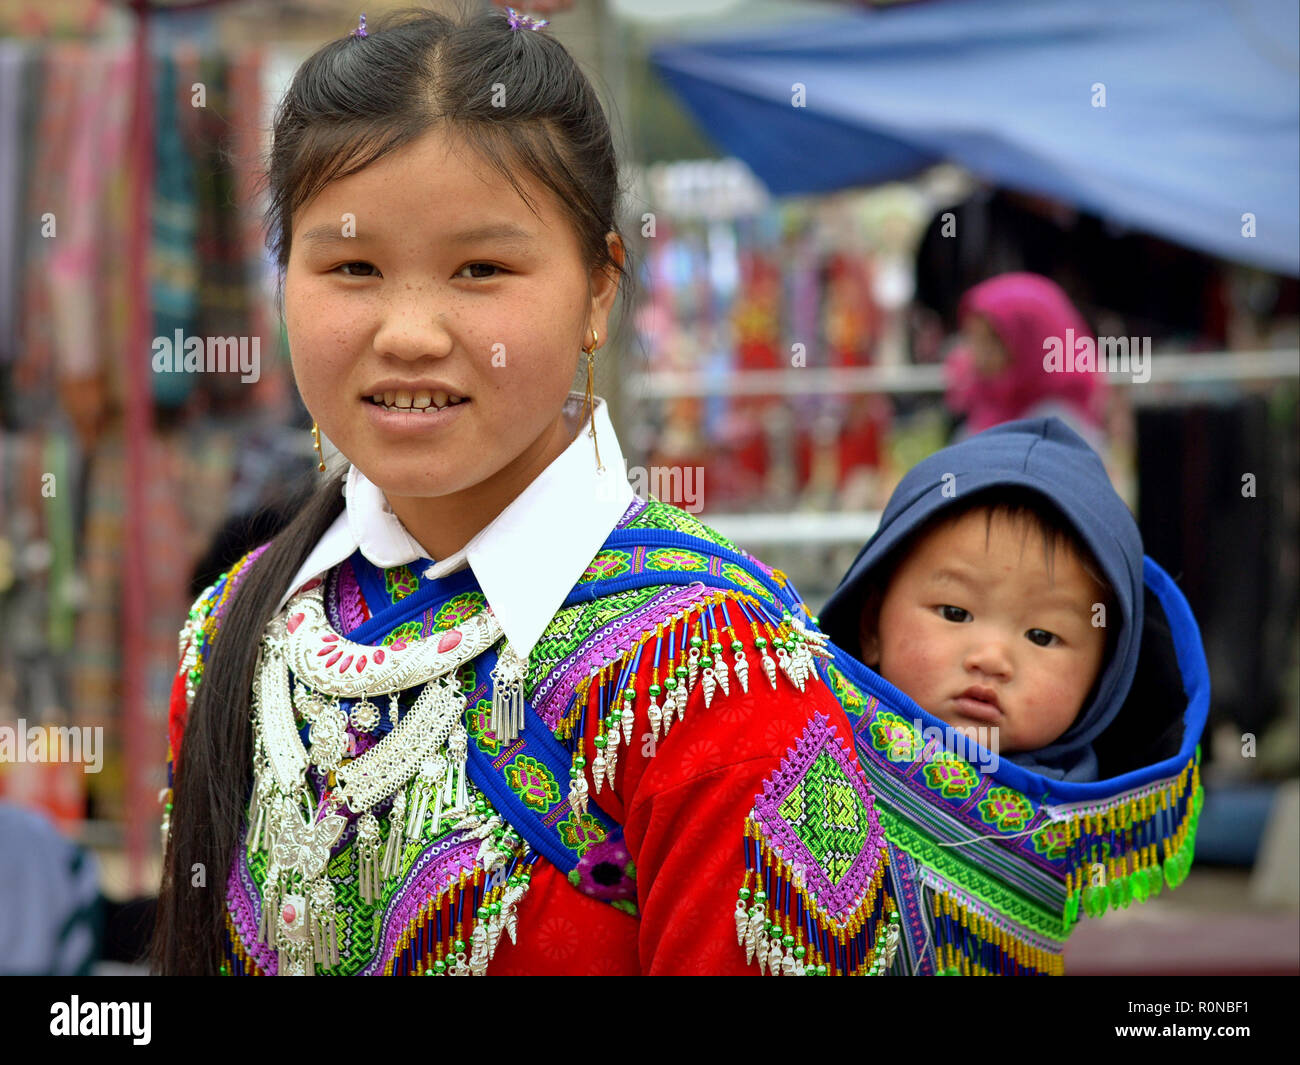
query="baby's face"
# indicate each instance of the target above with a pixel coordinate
(978, 633)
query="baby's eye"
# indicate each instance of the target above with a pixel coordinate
(1042, 637)
(954, 613)
(481, 277)
(346, 268)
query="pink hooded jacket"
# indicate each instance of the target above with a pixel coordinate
(1024, 310)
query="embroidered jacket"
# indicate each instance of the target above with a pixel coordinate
(731, 833)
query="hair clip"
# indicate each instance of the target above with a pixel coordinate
(518, 21)
(360, 31)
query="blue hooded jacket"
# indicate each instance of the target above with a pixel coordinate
(1048, 457)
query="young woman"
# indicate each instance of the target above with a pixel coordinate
(479, 708)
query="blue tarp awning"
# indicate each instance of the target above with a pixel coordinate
(1201, 123)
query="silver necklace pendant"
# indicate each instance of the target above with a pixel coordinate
(425, 752)
(329, 739)
(365, 715)
(334, 665)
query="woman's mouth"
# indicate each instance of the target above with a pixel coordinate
(405, 413)
(420, 402)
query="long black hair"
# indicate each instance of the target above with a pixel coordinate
(352, 102)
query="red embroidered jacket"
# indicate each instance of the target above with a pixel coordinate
(686, 804)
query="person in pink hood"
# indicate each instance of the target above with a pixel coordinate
(997, 375)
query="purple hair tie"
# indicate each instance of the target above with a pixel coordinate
(518, 21)
(360, 31)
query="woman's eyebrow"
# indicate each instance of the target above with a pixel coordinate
(506, 232)
(502, 231)
(327, 233)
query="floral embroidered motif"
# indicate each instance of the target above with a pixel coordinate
(895, 737)
(579, 832)
(949, 775)
(737, 575)
(1051, 841)
(672, 559)
(607, 564)
(408, 631)
(457, 609)
(399, 582)
(533, 782)
(1006, 808)
(847, 694)
(479, 719)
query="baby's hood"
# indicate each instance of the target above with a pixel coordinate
(1044, 455)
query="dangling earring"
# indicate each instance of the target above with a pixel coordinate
(315, 440)
(590, 352)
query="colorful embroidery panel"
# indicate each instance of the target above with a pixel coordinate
(816, 898)
(1005, 876)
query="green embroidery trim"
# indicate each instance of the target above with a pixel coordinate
(923, 847)
(573, 626)
(660, 515)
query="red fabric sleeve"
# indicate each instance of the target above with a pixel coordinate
(684, 806)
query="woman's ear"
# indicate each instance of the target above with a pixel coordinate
(869, 631)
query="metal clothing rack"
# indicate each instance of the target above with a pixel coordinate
(1209, 368)
(831, 528)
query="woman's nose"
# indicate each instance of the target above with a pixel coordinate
(411, 329)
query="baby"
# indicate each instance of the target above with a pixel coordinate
(1003, 592)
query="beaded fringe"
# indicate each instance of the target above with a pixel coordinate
(238, 961)
(967, 943)
(1127, 852)
(445, 940)
(786, 933)
(688, 650)
(1131, 850)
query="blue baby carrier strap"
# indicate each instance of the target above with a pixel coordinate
(535, 741)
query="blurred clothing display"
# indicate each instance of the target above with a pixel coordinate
(212, 439)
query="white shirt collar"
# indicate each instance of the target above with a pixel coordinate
(528, 558)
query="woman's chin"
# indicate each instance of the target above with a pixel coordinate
(417, 476)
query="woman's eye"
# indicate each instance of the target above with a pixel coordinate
(348, 267)
(1041, 637)
(471, 266)
(953, 613)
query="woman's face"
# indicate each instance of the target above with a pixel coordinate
(425, 280)
(991, 355)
